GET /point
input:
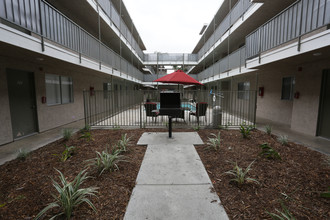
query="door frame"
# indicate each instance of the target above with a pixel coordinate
(325, 72)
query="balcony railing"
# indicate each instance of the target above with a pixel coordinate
(233, 61)
(114, 16)
(170, 57)
(300, 18)
(42, 19)
(237, 11)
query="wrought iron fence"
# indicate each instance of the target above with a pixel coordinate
(127, 108)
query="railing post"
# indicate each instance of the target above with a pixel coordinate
(300, 27)
(41, 29)
(79, 43)
(141, 115)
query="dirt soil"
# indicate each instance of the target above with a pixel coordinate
(297, 179)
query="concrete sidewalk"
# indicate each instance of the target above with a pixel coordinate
(172, 182)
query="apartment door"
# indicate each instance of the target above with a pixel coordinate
(324, 116)
(22, 102)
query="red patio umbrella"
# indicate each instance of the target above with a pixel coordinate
(178, 77)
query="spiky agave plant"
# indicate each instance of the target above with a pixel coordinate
(214, 142)
(285, 214)
(124, 142)
(70, 195)
(240, 175)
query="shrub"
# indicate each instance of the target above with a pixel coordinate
(67, 133)
(240, 175)
(268, 129)
(124, 142)
(245, 130)
(22, 154)
(269, 152)
(214, 142)
(106, 161)
(70, 195)
(66, 154)
(87, 135)
(283, 139)
(284, 214)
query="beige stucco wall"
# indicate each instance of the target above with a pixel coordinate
(5, 121)
(55, 115)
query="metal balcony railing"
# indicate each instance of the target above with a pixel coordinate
(170, 57)
(234, 60)
(237, 11)
(300, 18)
(42, 19)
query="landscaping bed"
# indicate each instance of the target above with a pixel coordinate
(296, 180)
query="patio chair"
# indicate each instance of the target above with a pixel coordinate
(200, 110)
(151, 108)
(180, 115)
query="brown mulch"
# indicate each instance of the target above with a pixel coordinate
(26, 186)
(296, 180)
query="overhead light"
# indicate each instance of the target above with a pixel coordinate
(40, 59)
(203, 29)
(317, 54)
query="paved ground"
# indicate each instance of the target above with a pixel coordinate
(172, 182)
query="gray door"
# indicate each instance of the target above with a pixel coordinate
(22, 102)
(324, 116)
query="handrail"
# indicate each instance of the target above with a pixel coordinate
(58, 28)
(300, 18)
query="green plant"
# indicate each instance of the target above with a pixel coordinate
(87, 135)
(70, 195)
(106, 161)
(116, 127)
(12, 200)
(269, 152)
(86, 128)
(240, 175)
(283, 139)
(66, 154)
(196, 128)
(124, 142)
(326, 194)
(67, 133)
(22, 154)
(268, 129)
(245, 130)
(284, 214)
(214, 142)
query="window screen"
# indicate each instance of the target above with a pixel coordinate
(243, 90)
(287, 88)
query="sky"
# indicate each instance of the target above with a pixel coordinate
(171, 26)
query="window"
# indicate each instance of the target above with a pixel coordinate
(106, 90)
(243, 90)
(59, 89)
(287, 88)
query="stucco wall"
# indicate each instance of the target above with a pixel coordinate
(51, 116)
(5, 121)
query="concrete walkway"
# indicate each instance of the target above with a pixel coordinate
(9, 151)
(172, 182)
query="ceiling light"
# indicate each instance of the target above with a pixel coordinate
(317, 54)
(40, 59)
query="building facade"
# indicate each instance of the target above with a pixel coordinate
(51, 51)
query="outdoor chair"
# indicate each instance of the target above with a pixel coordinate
(151, 108)
(180, 115)
(200, 110)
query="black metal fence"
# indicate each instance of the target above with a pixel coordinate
(126, 108)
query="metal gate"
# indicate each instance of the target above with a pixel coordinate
(127, 108)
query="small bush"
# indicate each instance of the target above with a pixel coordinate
(67, 133)
(87, 135)
(22, 154)
(70, 195)
(283, 139)
(240, 175)
(124, 142)
(106, 161)
(269, 152)
(268, 129)
(214, 142)
(283, 215)
(245, 130)
(66, 154)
